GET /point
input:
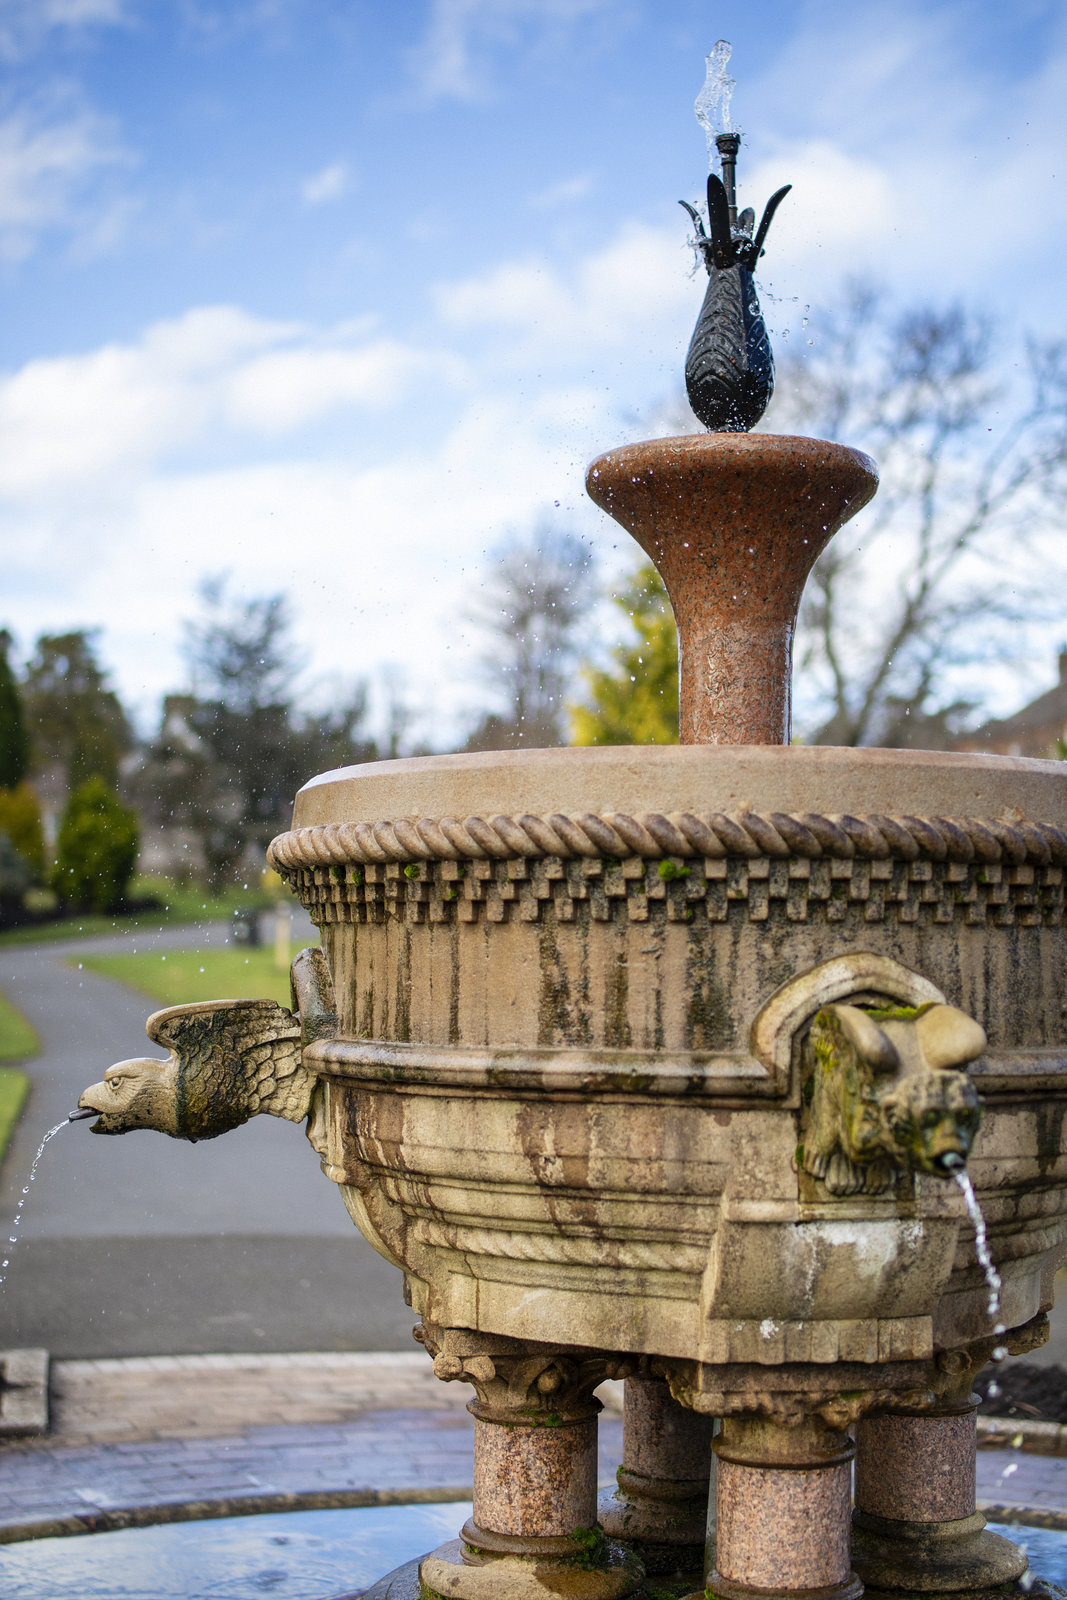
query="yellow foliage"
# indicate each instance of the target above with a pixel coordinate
(20, 819)
(635, 700)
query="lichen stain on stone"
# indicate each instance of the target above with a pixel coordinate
(707, 1021)
(453, 982)
(402, 1006)
(617, 1031)
(582, 998)
(365, 1029)
(1049, 1117)
(556, 1020)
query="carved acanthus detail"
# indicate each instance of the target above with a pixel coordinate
(539, 1384)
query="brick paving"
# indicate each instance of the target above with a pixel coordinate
(161, 1438)
(156, 1439)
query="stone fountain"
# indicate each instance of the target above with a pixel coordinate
(656, 1064)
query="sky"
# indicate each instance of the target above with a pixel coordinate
(336, 296)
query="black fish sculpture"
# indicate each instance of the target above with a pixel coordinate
(729, 369)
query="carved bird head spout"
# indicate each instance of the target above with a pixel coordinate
(228, 1061)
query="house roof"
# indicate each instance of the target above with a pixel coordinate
(1048, 710)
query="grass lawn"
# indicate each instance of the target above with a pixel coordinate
(17, 1041)
(14, 1087)
(17, 1038)
(177, 904)
(182, 976)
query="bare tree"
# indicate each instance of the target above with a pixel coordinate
(537, 593)
(938, 573)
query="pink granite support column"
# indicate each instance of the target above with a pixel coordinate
(915, 1525)
(660, 1508)
(532, 1482)
(783, 1500)
(533, 1534)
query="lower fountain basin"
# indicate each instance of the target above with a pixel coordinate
(566, 1093)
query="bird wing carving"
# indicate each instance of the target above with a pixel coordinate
(234, 1058)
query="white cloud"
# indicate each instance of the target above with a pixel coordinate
(25, 24)
(286, 389)
(452, 61)
(98, 421)
(564, 193)
(47, 159)
(911, 161)
(330, 183)
(626, 293)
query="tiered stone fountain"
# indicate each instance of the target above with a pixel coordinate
(655, 1064)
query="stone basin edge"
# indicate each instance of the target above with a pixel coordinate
(702, 779)
(625, 1074)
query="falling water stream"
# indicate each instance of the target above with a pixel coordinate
(16, 1222)
(981, 1246)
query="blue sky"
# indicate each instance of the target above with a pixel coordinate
(335, 295)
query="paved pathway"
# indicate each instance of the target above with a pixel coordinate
(152, 1440)
(145, 1245)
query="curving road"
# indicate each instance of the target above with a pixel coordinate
(144, 1245)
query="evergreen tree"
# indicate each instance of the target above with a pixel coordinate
(635, 700)
(14, 737)
(76, 717)
(96, 850)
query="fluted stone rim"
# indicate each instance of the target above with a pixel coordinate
(654, 835)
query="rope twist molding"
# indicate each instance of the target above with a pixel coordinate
(636, 1255)
(654, 835)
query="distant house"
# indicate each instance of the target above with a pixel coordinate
(1039, 729)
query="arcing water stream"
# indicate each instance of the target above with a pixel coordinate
(16, 1223)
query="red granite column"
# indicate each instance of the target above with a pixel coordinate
(660, 1508)
(534, 1533)
(734, 522)
(782, 1521)
(916, 1525)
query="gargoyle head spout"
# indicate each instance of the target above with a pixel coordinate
(932, 1119)
(135, 1094)
(888, 1094)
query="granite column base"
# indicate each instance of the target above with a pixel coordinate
(660, 1508)
(915, 1526)
(533, 1534)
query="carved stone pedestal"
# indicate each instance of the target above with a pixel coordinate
(660, 1508)
(782, 1520)
(534, 1533)
(915, 1525)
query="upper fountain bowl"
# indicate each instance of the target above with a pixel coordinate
(735, 523)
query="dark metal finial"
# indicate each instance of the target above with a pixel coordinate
(729, 370)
